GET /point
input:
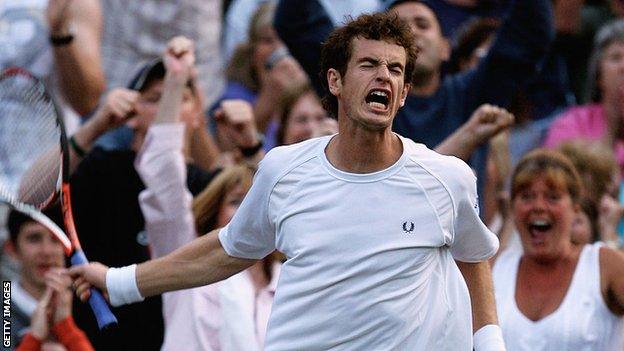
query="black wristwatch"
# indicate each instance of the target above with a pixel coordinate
(61, 40)
(252, 150)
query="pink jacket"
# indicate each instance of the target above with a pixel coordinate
(582, 122)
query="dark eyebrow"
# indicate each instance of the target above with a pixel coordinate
(421, 18)
(376, 62)
(369, 60)
(396, 65)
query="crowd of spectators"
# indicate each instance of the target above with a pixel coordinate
(171, 105)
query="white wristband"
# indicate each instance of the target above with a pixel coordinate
(489, 338)
(122, 287)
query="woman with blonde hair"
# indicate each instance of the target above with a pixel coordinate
(554, 294)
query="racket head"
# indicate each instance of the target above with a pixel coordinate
(31, 140)
(36, 215)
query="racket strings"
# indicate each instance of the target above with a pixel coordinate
(30, 153)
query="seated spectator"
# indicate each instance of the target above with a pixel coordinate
(554, 294)
(603, 119)
(105, 189)
(41, 304)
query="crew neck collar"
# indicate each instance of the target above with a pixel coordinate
(361, 177)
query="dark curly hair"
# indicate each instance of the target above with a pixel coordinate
(337, 50)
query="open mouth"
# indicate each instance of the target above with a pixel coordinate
(539, 229)
(378, 99)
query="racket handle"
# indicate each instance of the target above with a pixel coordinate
(102, 312)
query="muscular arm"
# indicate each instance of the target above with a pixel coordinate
(303, 26)
(478, 277)
(201, 262)
(486, 122)
(520, 47)
(79, 64)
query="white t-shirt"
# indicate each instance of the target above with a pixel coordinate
(370, 256)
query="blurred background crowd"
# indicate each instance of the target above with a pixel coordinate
(529, 92)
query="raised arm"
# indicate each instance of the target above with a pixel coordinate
(166, 202)
(486, 122)
(78, 62)
(521, 44)
(235, 118)
(303, 26)
(116, 108)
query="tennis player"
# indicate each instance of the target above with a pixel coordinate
(372, 224)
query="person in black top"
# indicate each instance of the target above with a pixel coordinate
(105, 189)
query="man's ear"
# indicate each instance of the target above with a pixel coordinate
(404, 92)
(334, 82)
(10, 248)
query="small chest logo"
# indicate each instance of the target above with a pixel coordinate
(408, 227)
(141, 238)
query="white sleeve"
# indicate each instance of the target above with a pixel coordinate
(250, 233)
(472, 240)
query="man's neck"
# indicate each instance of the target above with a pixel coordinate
(425, 84)
(359, 151)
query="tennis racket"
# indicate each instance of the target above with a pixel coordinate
(34, 165)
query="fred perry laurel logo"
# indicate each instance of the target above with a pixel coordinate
(408, 227)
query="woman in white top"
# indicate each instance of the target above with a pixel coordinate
(553, 294)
